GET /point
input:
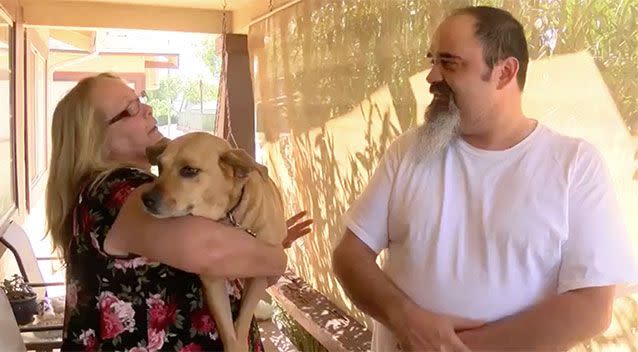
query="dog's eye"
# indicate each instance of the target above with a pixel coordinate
(188, 171)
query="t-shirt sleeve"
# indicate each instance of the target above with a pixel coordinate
(99, 205)
(598, 251)
(367, 217)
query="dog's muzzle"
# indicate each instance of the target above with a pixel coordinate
(151, 201)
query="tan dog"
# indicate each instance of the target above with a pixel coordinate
(200, 174)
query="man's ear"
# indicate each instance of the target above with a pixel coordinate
(153, 152)
(507, 72)
(241, 163)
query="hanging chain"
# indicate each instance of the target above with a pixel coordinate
(223, 81)
(271, 6)
(224, 22)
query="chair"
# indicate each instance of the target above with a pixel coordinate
(16, 240)
(10, 338)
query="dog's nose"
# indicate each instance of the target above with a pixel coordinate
(151, 200)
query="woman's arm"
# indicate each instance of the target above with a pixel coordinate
(190, 243)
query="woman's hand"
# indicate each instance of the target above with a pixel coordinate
(297, 229)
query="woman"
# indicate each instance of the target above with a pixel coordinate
(132, 281)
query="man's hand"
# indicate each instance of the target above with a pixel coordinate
(557, 323)
(422, 330)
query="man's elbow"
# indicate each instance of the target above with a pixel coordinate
(350, 251)
(599, 302)
(338, 257)
(605, 317)
(336, 264)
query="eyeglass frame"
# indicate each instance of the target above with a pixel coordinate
(132, 109)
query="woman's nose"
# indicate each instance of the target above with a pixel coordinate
(148, 111)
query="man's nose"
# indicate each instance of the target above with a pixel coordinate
(434, 75)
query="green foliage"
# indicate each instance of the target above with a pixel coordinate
(175, 93)
(162, 99)
(169, 89)
(339, 52)
(16, 288)
(210, 56)
(607, 29)
(193, 94)
(299, 337)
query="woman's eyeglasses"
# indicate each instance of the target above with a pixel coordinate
(131, 110)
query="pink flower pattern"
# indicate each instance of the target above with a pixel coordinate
(88, 340)
(191, 347)
(203, 322)
(132, 304)
(117, 316)
(161, 314)
(138, 349)
(155, 339)
(123, 264)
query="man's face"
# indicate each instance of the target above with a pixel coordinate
(459, 77)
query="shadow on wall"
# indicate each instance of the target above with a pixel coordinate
(323, 171)
(326, 168)
(336, 82)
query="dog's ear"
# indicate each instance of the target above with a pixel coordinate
(242, 163)
(153, 152)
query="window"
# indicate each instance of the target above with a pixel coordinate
(7, 137)
(36, 119)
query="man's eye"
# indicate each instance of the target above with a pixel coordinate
(447, 64)
(188, 171)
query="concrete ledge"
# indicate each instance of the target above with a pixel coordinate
(273, 339)
(333, 328)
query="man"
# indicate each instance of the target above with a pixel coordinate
(501, 234)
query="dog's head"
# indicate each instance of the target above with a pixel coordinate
(198, 174)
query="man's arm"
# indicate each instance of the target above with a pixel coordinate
(367, 286)
(556, 324)
(596, 256)
(373, 292)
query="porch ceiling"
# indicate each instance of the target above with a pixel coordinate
(204, 16)
(192, 4)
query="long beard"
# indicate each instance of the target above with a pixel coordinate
(441, 127)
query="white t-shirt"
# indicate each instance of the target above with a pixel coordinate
(485, 234)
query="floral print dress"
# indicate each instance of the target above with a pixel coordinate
(129, 303)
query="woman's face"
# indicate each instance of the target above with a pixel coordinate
(131, 127)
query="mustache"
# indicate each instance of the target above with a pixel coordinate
(441, 88)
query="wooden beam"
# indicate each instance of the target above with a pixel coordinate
(19, 112)
(11, 7)
(245, 16)
(76, 14)
(237, 91)
(137, 78)
(83, 40)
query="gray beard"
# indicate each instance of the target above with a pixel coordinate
(440, 128)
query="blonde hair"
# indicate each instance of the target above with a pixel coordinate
(77, 134)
